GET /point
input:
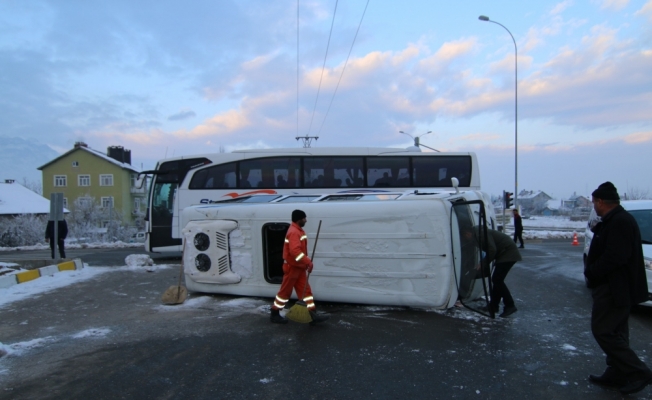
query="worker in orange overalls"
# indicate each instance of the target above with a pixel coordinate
(295, 269)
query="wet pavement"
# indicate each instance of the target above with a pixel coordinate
(109, 337)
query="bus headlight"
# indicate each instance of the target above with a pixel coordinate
(648, 263)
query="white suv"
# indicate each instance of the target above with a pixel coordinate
(641, 210)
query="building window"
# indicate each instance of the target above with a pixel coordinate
(137, 204)
(106, 180)
(84, 202)
(65, 202)
(60, 180)
(83, 180)
(133, 180)
(107, 202)
(75, 163)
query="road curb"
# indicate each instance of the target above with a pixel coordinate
(26, 276)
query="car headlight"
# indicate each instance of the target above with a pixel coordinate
(648, 263)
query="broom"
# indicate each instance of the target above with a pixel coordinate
(176, 294)
(299, 311)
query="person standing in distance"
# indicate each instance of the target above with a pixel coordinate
(615, 271)
(518, 228)
(295, 268)
(62, 232)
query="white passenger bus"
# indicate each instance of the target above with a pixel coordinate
(408, 250)
(181, 182)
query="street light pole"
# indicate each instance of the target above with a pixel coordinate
(486, 19)
(417, 142)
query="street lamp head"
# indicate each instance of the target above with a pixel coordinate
(483, 18)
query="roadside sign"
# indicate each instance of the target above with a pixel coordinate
(56, 207)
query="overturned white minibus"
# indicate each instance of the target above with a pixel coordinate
(408, 251)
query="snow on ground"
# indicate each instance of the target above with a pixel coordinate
(93, 332)
(94, 245)
(18, 349)
(551, 223)
(64, 278)
(47, 283)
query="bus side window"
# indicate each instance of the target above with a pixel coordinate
(216, 177)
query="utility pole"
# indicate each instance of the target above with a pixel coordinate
(307, 140)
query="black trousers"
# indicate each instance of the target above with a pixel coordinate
(62, 250)
(500, 290)
(518, 235)
(610, 328)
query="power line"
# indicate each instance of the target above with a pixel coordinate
(323, 67)
(343, 68)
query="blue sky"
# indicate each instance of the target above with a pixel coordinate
(172, 78)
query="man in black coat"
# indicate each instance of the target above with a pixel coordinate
(615, 271)
(518, 227)
(62, 232)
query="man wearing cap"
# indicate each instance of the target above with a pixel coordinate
(615, 271)
(295, 269)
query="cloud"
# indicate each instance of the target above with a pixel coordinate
(561, 7)
(615, 5)
(182, 115)
(645, 11)
(638, 137)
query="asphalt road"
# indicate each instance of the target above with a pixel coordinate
(224, 347)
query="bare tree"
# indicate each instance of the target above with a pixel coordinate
(34, 186)
(22, 230)
(637, 193)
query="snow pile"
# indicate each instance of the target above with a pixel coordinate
(93, 332)
(47, 283)
(9, 269)
(140, 260)
(4, 350)
(19, 348)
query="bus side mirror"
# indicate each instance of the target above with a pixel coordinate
(455, 182)
(140, 181)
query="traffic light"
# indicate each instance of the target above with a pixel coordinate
(508, 199)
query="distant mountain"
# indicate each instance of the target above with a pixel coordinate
(19, 159)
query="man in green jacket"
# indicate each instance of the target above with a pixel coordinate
(503, 250)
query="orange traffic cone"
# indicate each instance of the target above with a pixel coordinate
(575, 242)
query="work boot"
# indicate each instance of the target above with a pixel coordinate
(610, 378)
(276, 317)
(507, 311)
(318, 317)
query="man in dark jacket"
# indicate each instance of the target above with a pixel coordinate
(615, 271)
(502, 249)
(518, 227)
(62, 232)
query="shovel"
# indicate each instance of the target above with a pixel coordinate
(176, 294)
